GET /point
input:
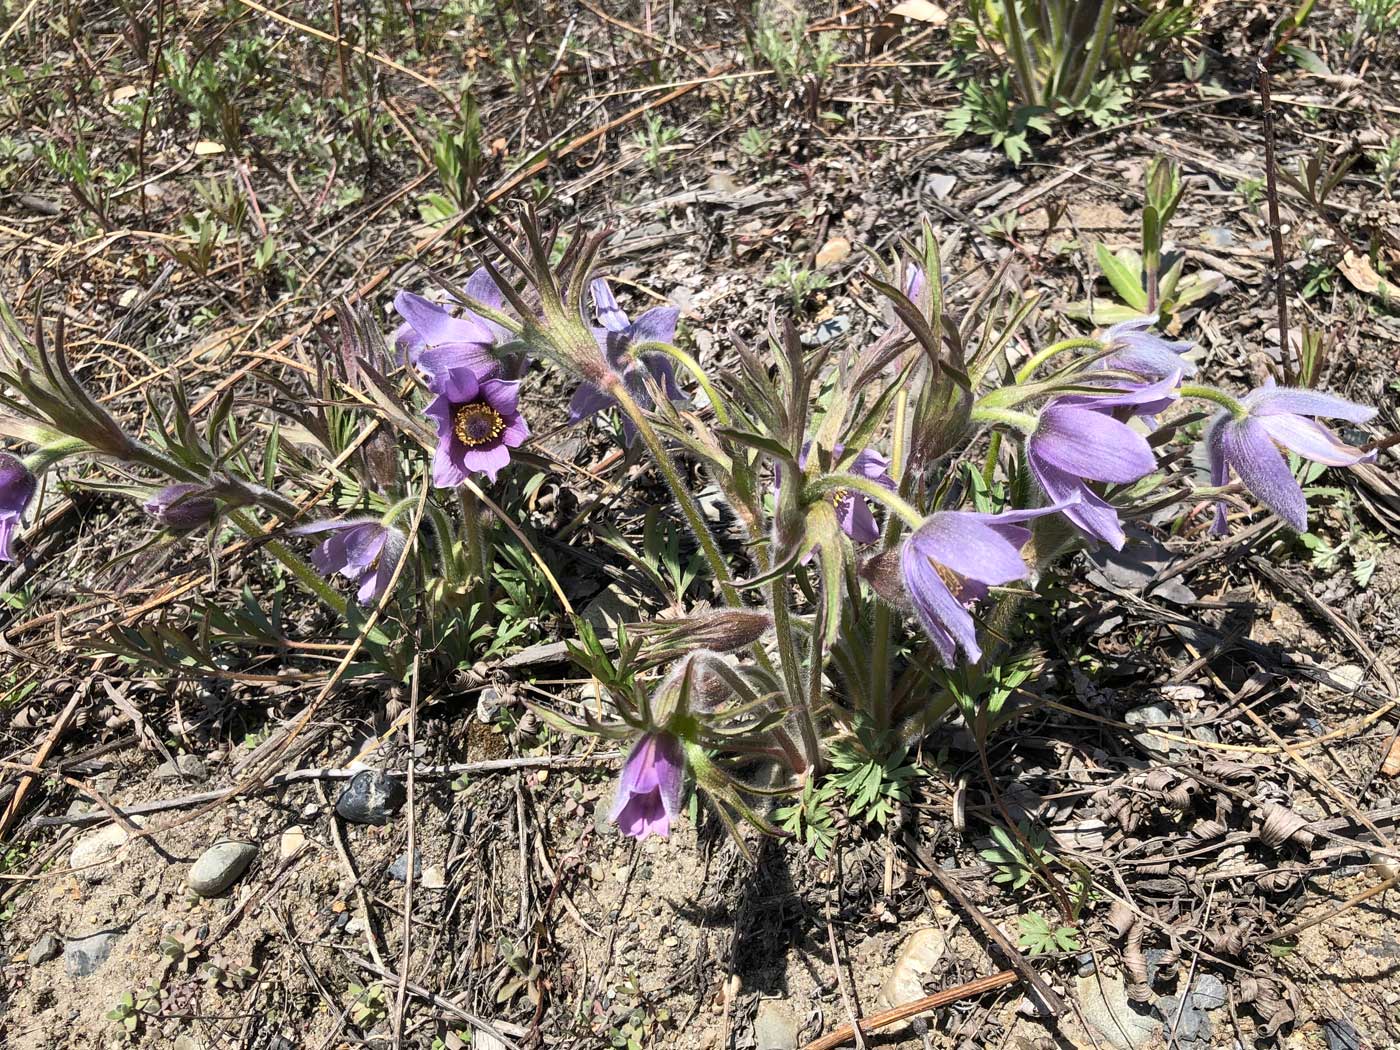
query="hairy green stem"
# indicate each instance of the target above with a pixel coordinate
(1022, 421)
(1054, 350)
(305, 574)
(1232, 405)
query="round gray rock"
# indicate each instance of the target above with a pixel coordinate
(220, 866)
(370, 798)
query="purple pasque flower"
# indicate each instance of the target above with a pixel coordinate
(1077, 440)
(853, 509)
(435, 340)
(649, 790)
(616, 338)
(1277, 417)
(951, 560)
(17, 488)
(478, 423)
(363, 550)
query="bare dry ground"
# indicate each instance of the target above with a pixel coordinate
(190, 186)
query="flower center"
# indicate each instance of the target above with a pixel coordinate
(477, 423)
(948, 576)
(839, 496)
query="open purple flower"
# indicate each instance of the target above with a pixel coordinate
(649, 790)
(1077, 441)
(951, 560)
(183, 505)
(435, 340)
(363, 550)
(478, 423)
(1279, 417)
(853, 509)
(616, 338)
(17, 488)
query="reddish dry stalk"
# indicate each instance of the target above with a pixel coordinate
(885, 1018)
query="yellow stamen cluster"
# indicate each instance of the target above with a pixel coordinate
(476, 424)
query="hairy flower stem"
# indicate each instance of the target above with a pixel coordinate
(305, 574)
(1022, 421)
(782, 620)
(881, 682)
(1208, 393)
(694, 517)
(1054, 350)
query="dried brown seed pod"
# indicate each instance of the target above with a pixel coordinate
(1281, 879)
(1206, 830)
(1159, 780)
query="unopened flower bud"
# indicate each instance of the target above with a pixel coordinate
(184, 505)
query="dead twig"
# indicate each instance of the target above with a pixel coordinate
(885, 1018)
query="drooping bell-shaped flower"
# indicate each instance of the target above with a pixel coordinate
(435, 339)
(363, 550)
(1078, 440)
(951, 560)
(649, 790)
(617, 337)
(478, 423)
(1279, 417)
(17, 488)
(1137, 349)
(184, 505)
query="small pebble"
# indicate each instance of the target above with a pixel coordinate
(47, 947)
(398, 871)
(370, 798)
(183, 767)
(220, 866)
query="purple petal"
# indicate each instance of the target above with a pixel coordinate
(1090, 513)
(459, 385)
(434, 325)
(475, 357)
(944, 618)
(587, 400)
(870, 464)
(1312, 440)
(1219, 469)
(502, 395)
(489, 461)
(663, 370)
(1269, 401)
(856, 521)
(657, 325)
(610, 315)
(449, 467)
(643, 815)
(332, 523)
(516, 433)
(8, 523)
(1263, 471)
(1090, 444)
(969, 546)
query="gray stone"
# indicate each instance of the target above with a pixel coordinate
(1341, 1034)
(370, 798)
(1186, 1023)
(1084, 963)
(83, 955)
(100, 845)
(186, 1042)
(1208, 992)
(183, 767)
(774, 1026)
(47, 947)
(220, 866)
(398, 871)
(1108, 1011)
(1151, 715)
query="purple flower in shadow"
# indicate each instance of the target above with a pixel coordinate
(363, 550)
(1279, 417)
(616, 338)
(478, 423)
(649, 790)
(1078, 440)
(951, 560)
(183, 505)
(852, 509)
(17, 488)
